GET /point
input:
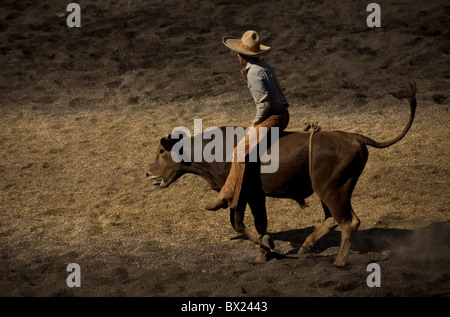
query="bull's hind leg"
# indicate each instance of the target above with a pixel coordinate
(326, 227)
(348, 226)
(339, 203)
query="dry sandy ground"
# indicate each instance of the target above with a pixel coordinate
(82, 110)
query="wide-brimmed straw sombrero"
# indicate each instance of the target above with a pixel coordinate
(248, 44)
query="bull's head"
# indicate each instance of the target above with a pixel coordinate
(164, 171)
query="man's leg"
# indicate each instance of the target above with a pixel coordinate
(233, 185)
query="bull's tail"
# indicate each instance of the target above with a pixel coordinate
(409, 92)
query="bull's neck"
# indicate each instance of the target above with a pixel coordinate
(215, 172)
(211, 172)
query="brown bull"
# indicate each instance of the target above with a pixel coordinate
(337, 160)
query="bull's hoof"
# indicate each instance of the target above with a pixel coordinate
(262, 256)
(216, 204)
(339, 264)
(304, 250)
(267, 242)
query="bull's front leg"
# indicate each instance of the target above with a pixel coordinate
(263, 240)
(257, 203)
(253, 194)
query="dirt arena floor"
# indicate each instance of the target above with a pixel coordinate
(82, 111)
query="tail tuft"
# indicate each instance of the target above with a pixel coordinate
(408, 91)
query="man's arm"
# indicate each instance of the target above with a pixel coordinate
(260, 95)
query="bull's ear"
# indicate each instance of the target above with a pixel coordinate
(166, 143)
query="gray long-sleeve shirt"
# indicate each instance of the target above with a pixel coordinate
(264, 88)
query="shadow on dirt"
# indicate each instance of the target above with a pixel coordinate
(431, 242)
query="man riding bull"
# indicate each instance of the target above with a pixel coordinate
(271, 108)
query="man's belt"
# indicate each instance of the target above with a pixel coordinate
(279, 109)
